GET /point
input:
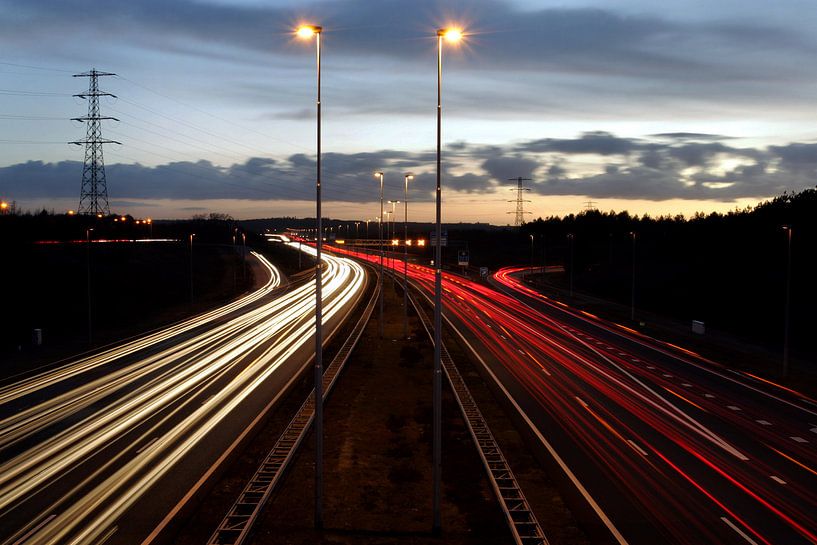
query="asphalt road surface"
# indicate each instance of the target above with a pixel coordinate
(108, 448)
(656, 444)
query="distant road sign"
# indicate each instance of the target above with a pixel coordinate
(483, 272)
(443, 240)
(462, 258)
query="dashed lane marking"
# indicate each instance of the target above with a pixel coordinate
(636, 447)
(740, 532)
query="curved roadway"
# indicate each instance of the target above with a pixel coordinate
(108, 448)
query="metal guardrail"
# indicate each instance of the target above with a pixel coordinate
(236, 525)
(520, 518)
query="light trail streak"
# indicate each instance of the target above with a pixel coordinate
(156, 401)
(693, 467)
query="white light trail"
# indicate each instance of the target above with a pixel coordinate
(151, 394)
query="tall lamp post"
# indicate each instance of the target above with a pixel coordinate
(88, 263)
(307, 32)
(393, 215)
(407, 177)
(787, 316)
(450, 35)
(632, 287)
(570, 238)
(191, 267)
(531, 254)
(380, 236)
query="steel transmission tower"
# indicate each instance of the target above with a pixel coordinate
(520, 206)
(93, 197)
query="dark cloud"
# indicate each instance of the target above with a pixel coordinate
(569, 39)
(596, 143)
(796, 157)
(627, 169)
(501, 168)
(691, 136)
(696, 154)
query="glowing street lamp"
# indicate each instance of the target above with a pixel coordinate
(380, 237)
(307, 32)
(450, 35)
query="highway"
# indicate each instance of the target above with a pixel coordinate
(654, 443)
(110, 447)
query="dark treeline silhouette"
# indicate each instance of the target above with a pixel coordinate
(728, 270)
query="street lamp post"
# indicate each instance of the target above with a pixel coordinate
(570, 238)
(191, 267)
(787, 316)
(632, 288)
(393, 216)
(407, 177)
(88, 263)
(388, 234)
(531, 254)
(452, 35)
(380, 236)
(307, 31)
(244, 256)
(357, 230)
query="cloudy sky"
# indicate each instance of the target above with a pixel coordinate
(662, 107)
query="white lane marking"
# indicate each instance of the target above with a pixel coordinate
(667, 375)
(777, 479)
(636, 360)
(581, 401)
(147, 445)
(710, 396)
(504, 338)
(674, 355)
(651, 367)
(813, 430)
(552, 451)
(800, 439)
(545, 371)
(740, 532)
(636, 447)
(34, 530)
(686, 385)
(763, 422)
(521, 351)
(733, 407)
(621, 354)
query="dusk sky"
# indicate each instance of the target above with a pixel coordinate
(665, 107)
